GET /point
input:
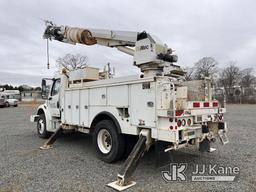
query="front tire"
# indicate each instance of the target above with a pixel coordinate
(41, 127)
(109, 144)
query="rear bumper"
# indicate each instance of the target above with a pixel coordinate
(34, 118)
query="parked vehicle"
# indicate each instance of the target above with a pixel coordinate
(2, 101)
(11, 102)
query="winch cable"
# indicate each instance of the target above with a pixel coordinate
(47, 53)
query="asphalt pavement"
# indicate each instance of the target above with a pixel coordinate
(73, 166)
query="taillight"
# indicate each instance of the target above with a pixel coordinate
(196, 104)
(183, 122)
(171, 127)
(179, 123)
(189, 122)
(215, 104)
(206, 104)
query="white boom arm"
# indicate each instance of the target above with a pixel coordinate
(150, 55)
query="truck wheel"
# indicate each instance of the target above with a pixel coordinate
(109, 144)
(41, 127)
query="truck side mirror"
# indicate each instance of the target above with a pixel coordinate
(44, 89)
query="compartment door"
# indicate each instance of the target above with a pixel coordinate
(67, 107)
(84, 108)
(142, 100)
(75, 107)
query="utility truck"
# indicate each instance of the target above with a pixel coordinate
(158, 105)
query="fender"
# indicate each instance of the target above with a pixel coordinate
(105, 115)
(48, 118)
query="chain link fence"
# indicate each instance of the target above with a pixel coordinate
(242, 95)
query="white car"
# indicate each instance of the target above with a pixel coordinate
(12, 102)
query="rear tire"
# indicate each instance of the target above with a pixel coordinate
(41, 127)
(109, 144)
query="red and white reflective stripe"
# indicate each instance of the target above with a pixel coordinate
(179, 113)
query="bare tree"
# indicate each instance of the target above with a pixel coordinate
(205, 67)
(71, 62)
(189, 73)
(229, 77)
(247, 78)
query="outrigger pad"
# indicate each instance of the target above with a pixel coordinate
(46, 147)
(115, 185)
(212, 150)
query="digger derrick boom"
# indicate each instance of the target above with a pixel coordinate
(103, 37)
(149, 53)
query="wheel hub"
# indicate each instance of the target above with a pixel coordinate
(104, 141)
(41, 126)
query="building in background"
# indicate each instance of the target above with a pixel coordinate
(31, 95)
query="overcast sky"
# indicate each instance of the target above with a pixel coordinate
(223, 29)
